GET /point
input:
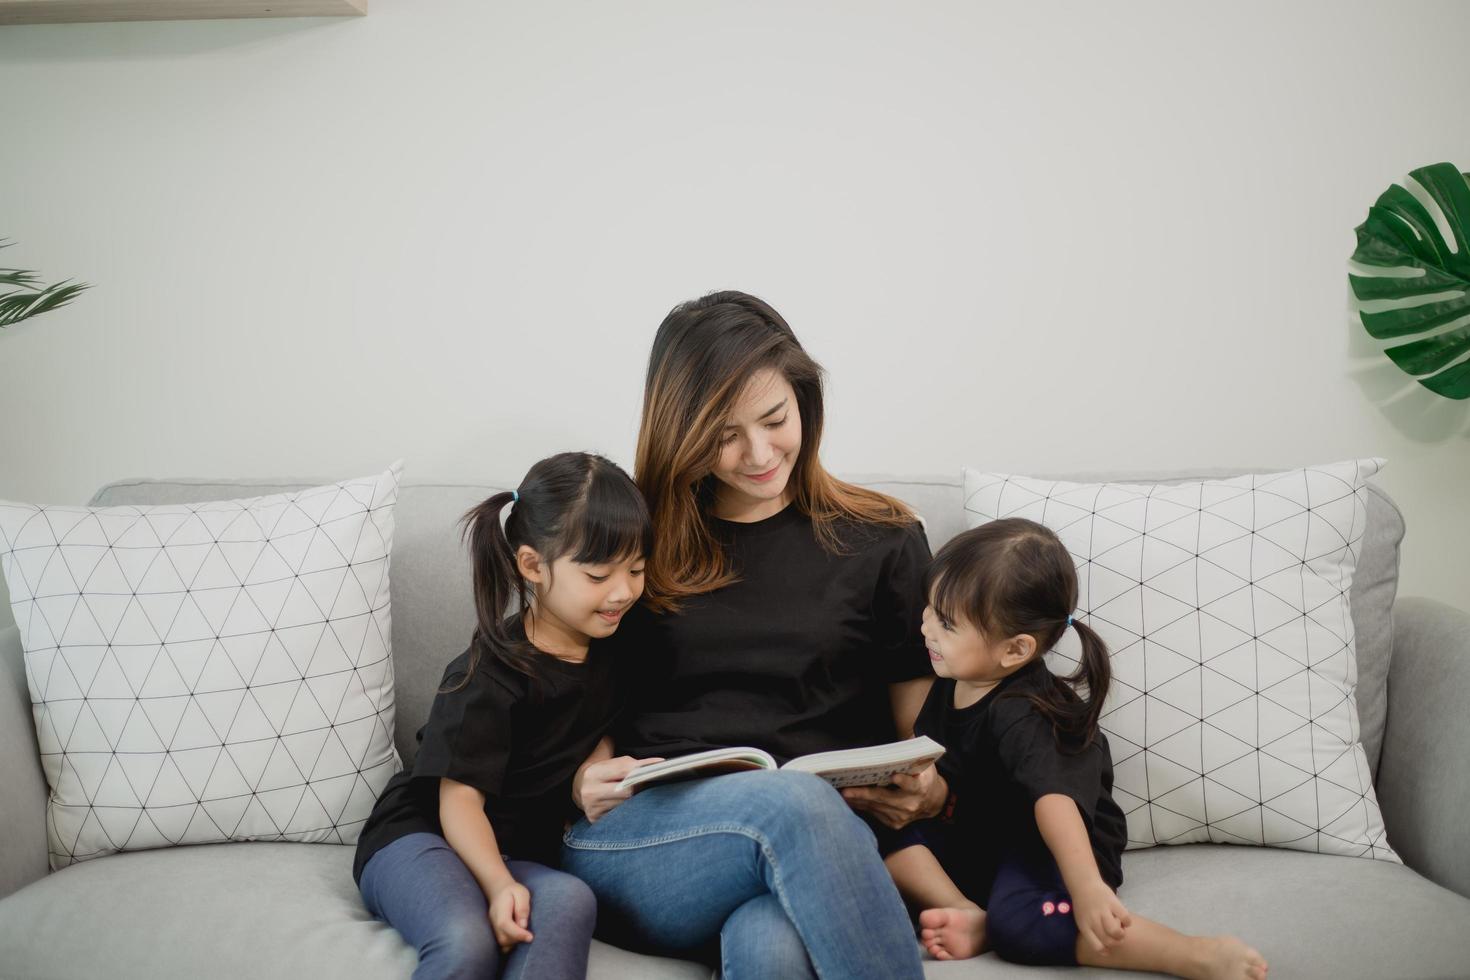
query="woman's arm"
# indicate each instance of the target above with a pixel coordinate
(907, 697)
(1101, 917)
(602, 752)
(468, 831)
(911, 797)
(898, 613)
(595, 786)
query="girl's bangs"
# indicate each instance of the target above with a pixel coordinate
(940, 589)
(953, 587)
(613, 525)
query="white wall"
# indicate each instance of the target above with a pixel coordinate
(1031, 236)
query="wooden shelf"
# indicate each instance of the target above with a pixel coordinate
(83, 11)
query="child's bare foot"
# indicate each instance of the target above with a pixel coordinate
(953, 934)
(1227, 958)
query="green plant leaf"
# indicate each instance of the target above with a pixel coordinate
(27, 300)
(1411, 273)
(15, 307)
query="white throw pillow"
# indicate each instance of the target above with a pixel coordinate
(1224, 604)
(208, 672)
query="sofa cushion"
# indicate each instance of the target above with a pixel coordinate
(433, 608)
(224, 911)
(1310, 915)
(208, 671)
(235, 911)
(1224, 604)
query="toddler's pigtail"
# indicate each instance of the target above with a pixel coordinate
(1095, 670)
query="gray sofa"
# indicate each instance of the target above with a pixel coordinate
(291, 910)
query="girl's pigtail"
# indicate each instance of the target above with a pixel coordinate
(496, 579)
(1095, 670)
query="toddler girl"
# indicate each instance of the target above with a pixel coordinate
(1026, 858)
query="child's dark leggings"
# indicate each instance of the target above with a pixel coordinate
(1028, 918)
(419, 886)
(1028, 912)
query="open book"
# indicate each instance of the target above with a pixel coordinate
(874, 765)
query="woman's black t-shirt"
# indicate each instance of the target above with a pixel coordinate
(1002, 757)
(519, 746)
(793, 658)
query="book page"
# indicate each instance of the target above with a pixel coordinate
(867, 775)
(874, 765)
(712, 763)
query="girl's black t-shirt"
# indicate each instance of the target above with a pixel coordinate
(794, 658)
(1002, 756)
(516, 740)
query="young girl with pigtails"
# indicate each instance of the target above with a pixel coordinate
(460, 851)
(1026, 857)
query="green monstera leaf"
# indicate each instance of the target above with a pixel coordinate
(1411, 274)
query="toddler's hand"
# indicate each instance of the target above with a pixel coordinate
(1101, 917)
(510, 914)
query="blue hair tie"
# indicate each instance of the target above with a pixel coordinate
(1069, 620)
(515, 496)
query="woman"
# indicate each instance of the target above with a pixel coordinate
(782, 610)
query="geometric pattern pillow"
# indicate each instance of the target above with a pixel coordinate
(208, 672)
(1232, 716)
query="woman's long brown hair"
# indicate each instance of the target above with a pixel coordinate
(704, 354)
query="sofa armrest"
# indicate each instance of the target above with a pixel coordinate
(1424, 776)
(23, 851)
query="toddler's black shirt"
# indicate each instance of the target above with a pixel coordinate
(1002, 757)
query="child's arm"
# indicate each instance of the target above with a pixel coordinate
(1101, 917)
(468, 831)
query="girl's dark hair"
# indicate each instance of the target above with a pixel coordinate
(1015, 576)
(572, 504)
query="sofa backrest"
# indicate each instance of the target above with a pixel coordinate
(433, 613)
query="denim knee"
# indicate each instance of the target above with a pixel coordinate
(758, 941)
(807, 805)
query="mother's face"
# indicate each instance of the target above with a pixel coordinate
(759, 446)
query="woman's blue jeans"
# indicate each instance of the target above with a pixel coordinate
(419, 886)
(773, 865)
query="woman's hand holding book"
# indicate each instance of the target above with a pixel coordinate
(595, 789)
(910, 798)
